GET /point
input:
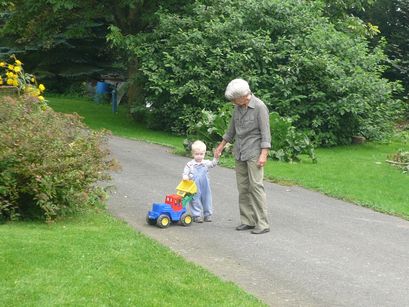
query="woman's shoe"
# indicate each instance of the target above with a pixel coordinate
(260, 231)
(244, 227)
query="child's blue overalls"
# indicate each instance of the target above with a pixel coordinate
(203, 197)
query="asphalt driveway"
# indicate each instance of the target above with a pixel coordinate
(320, 251)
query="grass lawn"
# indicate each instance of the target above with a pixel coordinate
(98, 116)
(97, 260)
(357, 173)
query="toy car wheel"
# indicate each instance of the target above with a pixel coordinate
(163, 221)
(150, 221)
(186, 219)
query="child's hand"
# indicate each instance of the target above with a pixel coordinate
(219, 149)
(185, 177)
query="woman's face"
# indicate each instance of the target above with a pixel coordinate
(199, 155)
(242, 101)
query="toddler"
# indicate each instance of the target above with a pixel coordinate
(197, 170)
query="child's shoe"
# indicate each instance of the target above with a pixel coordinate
(208, 218)
(198, 219)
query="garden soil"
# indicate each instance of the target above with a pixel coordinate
(320, 251)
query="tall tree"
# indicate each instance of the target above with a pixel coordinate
(392, 18)
(341, 8)
(59, 41)
(66, 38)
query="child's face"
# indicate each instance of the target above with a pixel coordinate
(198, 155)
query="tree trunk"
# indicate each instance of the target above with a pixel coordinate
(136, 98)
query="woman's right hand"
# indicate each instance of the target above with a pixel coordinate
(219, 149)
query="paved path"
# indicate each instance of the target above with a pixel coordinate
(320, 251)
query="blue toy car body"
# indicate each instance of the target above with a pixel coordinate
(174, 208)
(160, 208)
(163, 215)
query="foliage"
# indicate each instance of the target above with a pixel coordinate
(49, 162)
(62, 42)
(338, 9)
(326, 79)
(208, 126)
(12, 74)
(392, 18)
(286, 143)
(402, 135)
(345, 6)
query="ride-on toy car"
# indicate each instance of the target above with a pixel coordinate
(174, 210)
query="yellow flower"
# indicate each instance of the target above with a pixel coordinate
(14, 75)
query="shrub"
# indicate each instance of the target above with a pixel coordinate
(326, 77)
(49, 162)
(286, 143)
(208, 126)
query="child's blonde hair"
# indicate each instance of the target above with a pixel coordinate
(198, 146)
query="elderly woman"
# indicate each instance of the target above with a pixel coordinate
(250, 131)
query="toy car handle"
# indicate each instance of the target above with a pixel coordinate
(186, 200)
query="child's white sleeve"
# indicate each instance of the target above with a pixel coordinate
(186, 172)
(211, 163)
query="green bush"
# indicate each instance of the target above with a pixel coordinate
(286, 143)
(326, 77)
(208, 126)
(49, 162)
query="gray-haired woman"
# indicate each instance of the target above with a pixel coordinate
(249, 129)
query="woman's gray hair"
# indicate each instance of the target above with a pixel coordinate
(237, 88)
